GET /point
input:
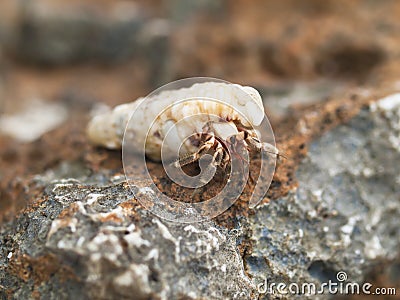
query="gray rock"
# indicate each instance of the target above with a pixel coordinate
(345, 214)
(97, 242)
(125, 34)
(69, 39)
(120, 252)
(182, 11)
(281, 100)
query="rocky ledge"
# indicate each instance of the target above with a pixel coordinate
(81, 240)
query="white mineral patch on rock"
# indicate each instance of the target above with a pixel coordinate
(388, 103)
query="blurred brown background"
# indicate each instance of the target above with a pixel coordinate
(114, 51)
(59, 60)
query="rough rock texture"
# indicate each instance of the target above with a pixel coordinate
(106, 247)
(91, 241)
(344, 216)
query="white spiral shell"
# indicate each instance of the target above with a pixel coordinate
(108, 129)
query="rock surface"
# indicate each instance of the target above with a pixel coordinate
(94, 241)
(344, 214)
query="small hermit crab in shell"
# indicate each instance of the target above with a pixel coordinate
(180, 126)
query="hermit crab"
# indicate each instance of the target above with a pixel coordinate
(180, 126)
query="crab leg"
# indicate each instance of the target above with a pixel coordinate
(192, 157)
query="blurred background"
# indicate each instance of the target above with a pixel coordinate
(77, 53)
(61, 61)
